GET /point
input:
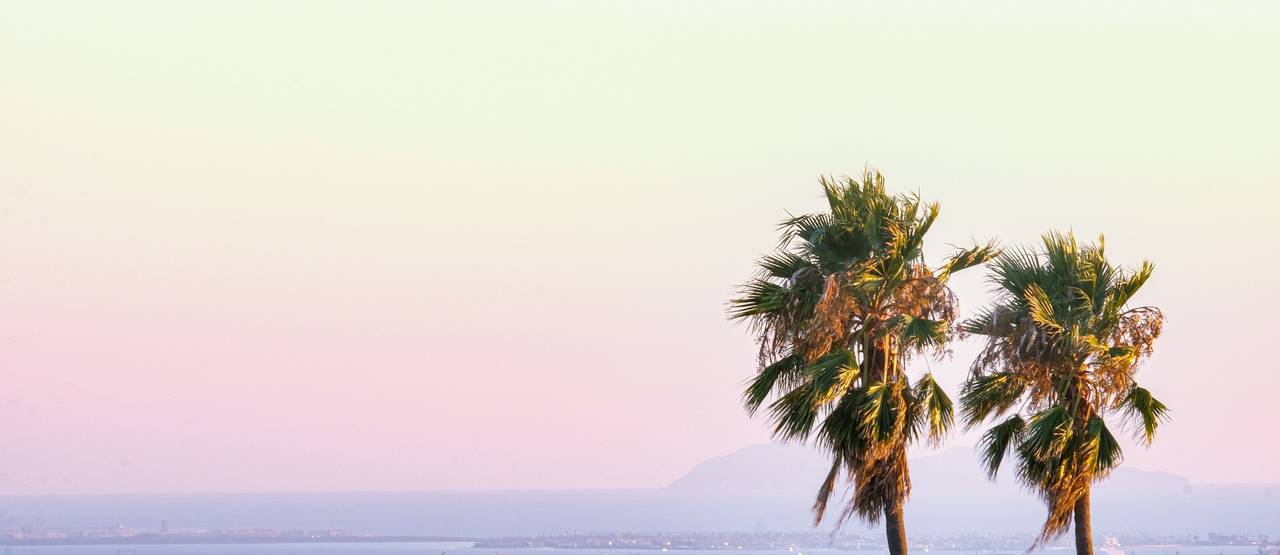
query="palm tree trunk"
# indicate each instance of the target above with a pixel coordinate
(895, 530)
(1084, 529)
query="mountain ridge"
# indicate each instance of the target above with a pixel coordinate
(755, 468)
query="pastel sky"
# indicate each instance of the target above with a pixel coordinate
(288, 246)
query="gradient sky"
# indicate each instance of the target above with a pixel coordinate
(376, 246)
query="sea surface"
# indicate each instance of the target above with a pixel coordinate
(424, 548)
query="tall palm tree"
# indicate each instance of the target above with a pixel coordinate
(837, 310)
(1063, 346)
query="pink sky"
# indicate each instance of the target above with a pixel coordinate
(320, 247)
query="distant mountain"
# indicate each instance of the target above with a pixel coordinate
(950, 494)
(768, 467)
(792, 468)
(766, 487)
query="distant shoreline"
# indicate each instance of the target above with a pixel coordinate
(498, 545)
(389, 539)
(195, 540)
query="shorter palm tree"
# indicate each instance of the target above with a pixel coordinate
(1063, 344)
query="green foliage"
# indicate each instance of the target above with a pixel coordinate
(968, 258)
(883, 412)
(783, 265)
(1061, 340)
(760, 298)
(997, 441)
(1102, 451)
(1040, 308)
(933, 413)
(990, 395)
(920, 333)
(784, 373)
(1147, 411)
(1048, 433)
(838, 311)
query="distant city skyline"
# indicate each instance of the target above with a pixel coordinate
(332, 246)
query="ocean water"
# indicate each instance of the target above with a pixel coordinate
(422, 548)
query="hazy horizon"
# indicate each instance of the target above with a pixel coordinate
(323, 246)
(916, 455)
(762, 488)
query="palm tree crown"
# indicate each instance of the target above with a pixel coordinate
(837, 310)
(1063, 344)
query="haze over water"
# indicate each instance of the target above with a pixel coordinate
(437, 549)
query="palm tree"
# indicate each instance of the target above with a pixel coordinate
(1063, 346)
(837, 310)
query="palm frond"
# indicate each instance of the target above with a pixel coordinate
(793, 414)
(802, 227)
(758, 297)
(1103, 453)
(1146, 411)
(1014, 270)
(1048, 433)
(841, 429)
(784, 373)
(990, 395)
(883, 412)
(997, 441)
(831, 375)
(784, 265)
(1040, 307)
(1128, 286)
(935, 409)
(914, 235)
(920, 333)
(825, 490)
(967, 258)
